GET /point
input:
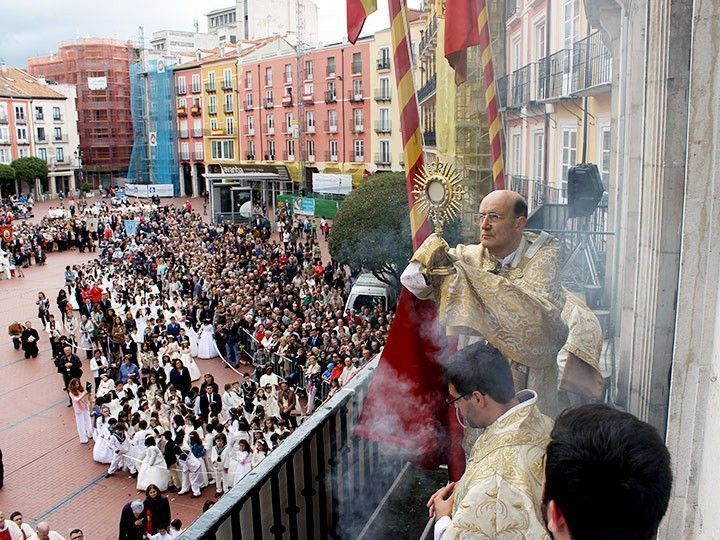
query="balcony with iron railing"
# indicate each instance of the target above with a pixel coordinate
(383, 63)
(310, 129)
(330, 97)
(331, 157)
(383, 94)
(330, 128)
(195, 89)
(354, 157)
(185, 156)
(429, 37)
(520, 91)
(592, 65)
(288, 157)
(429, 138)
(181, 90)
(355, 96)
(63, 138)
(58, 117)
(268, 103)
(210, 87)
(228, 108)
(183, 134)
(554, 79)
(308, 99)
(287, 101)
(197, 133)
(383, 159)
(250, 131)
(181, 111)
(195, 110)
(3, 119)
(535, 191)
(248, 105)
(227, 84)
(270, 130)
(22, 121)
(382, 126)
(427, 90)
(39, 117)
(198, 156)
(357, 128)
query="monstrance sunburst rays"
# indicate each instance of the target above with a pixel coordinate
(439, 192)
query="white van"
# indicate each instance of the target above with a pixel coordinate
(369, 291)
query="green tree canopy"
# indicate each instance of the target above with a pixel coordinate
(7, 177)
(29, 168)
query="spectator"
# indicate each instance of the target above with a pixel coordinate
(132, 521)
(27, 530)
(43, 532)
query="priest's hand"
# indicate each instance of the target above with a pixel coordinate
(441, 496)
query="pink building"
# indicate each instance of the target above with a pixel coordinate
(15, 127)
(188, 91)
(335, 90)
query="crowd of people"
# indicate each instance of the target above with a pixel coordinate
(134, 326)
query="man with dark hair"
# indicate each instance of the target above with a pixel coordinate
(499, 494)
(607, 476)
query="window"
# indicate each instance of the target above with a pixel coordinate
(311, 150)
(183, 128)
(539, 40)
(212, 105)
(330, 69)
(230, 126)
(571, 22)
(251, 125)
(59, 154)
(270, 122)
(197, 128)
(22, 134)
(357, 64)
(310, 117)
(332, 119)
(227, 78)
(222, 150)
(290, 149)
(288, 73)
(605, 154)
(331, 90)
(385, 152)
(516, 154)
(19, 112)
(568, 157)
(251, 149)
(358, 119)
(213, 124)
(3, 111)
(181, 88)
(288, 122)
(359, 146)
(198, 150)
(42, 153)
(308, 89)
(539, 156)
(357, 88)
(184, 150)
(5, 155)
(268, 98)
(249, 100)
(229, 103)
(384, 58)
(271, 149)
(211, 81)
(268, 76)
(40, 134)
(516, 60)
(24, 152)
(196, 83)
(384, 120)
(385, 87)
(333, 150)
(181, 102)
(308, 70)
(39, 113)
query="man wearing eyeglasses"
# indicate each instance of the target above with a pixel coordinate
(507, 290)
(500, 493)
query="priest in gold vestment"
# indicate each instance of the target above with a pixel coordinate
(507, 290)
(500, 493)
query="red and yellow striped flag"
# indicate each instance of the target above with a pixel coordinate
(357, 12)
(405, 406)
(469, 21)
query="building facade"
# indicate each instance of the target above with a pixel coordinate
(100, 70)
(37, 119)
(181, 43)
(555, 98)
(250, 20)
(190, 121)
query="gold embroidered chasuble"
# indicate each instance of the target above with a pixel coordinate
(499, 494)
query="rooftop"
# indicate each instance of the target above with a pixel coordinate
(15, 82)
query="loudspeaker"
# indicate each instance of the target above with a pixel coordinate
(585, 189)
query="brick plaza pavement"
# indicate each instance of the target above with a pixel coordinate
(49, 475)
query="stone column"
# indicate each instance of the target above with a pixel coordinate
(194, 180)
(182, 180)
(52, 184)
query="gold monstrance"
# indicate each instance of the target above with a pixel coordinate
(438, 191)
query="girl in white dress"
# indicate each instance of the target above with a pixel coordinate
(141, 323)
(193, 337)
(102, 453)
(189, 362)
(207, 348)
(261, 451)
(243, 461)
(153, 469)
(172, 349)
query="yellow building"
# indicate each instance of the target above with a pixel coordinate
(220, 118)
(386, 136)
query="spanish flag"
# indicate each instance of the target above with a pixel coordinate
(357, 12)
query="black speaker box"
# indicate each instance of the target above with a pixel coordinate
(585, 189)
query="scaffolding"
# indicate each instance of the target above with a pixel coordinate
(154, 158)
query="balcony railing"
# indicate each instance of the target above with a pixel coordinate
(181, 111)
(592, 63)
(428, 89)
(331, 157)
(330, 128)
(382, 158)
(183, 134)
(249, 131)
(535, 191)
(195, 89)
(197, 133)
(198, 156)
(287, 101)
(268, 103)
(40, 117)
(310, 129)
(520, 86)
(229, 108)
(555, 76)
(356, 68)
(309, 487)
(227, 84)
(195, 110)
(383, 94)
(3, 119)
(20, 120)
(354, 157)
(248, 105)
(185, 155)
(429, 36)
(308, 99)
(383, 63)
(428, 138)
(355, 96)
(181, 90)
(212, 110)
(288, 157)
(270, 130)
(358, 128)
(210, 87)
(382, 127)
(61, 139)
(330, 97)
(57, 117)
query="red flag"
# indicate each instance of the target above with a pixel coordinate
(357, 12)
(461, 32)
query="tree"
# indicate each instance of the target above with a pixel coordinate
(27, 169)
(7, 178)
(371, 230)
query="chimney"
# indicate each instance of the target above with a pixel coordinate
(3, 66)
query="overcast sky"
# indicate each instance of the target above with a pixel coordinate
(35, 27)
